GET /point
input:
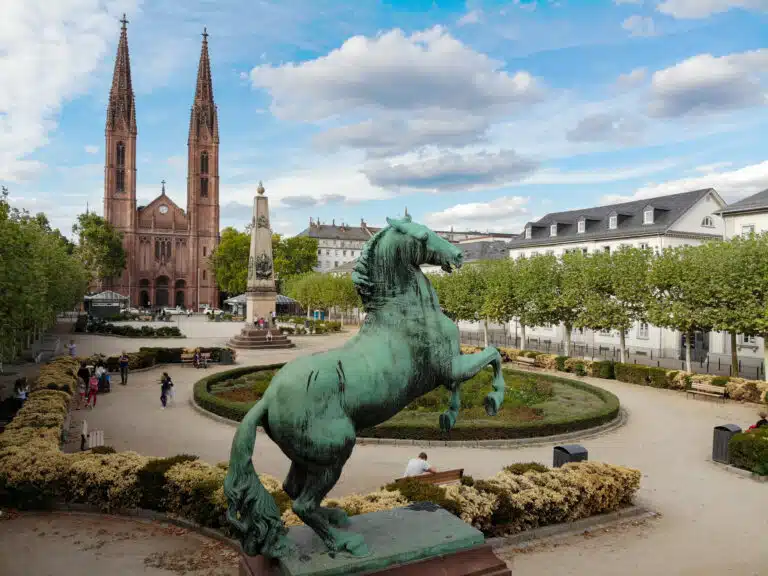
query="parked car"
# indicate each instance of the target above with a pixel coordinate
(213, 312)
(174, 311)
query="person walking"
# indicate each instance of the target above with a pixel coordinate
(93, 391)
(21, 391)
(165, 386)
(124, 368)
(72, 348)
(83, 377)
(274, 318)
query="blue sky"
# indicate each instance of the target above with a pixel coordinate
(478, 115)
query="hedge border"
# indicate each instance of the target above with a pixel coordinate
(611, 411)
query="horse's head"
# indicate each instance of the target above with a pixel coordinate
(423, 246)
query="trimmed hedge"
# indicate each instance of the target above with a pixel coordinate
(610, 410)
(147, 357)
(136, 332)
(749, 450)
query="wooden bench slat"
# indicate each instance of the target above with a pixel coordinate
(444, 477)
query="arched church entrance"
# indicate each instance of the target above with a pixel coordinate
(144, 294)
(161, 292)
(180, 288)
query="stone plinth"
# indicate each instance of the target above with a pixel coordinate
(254, 338)
(420, 540)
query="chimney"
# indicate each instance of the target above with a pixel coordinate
(334, 222)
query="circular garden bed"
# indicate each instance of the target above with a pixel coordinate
(535, 405)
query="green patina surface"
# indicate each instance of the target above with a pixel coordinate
(394, 537)
(315, 404)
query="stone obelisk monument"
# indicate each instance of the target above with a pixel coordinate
(261, 294)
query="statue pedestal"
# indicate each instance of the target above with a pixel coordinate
(252, 337)
(420, 540)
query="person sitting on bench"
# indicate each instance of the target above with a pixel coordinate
(419, 466)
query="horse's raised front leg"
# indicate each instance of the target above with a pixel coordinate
(466, 366)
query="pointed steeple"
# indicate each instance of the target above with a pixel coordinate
(203, 108)
(122, 104)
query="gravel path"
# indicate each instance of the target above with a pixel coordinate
(711, 520)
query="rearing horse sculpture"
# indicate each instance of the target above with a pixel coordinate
(315, 404)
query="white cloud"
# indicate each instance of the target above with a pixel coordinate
(91, 149)
(471, 17)
(631, 79)
(500, 215)
(602, 127)
(709, 168)
(705, 83)
(48, 51)
(731, 184)
(638, 25)
(395, 72)
(451, 171)
(696, 9)
(599, 175)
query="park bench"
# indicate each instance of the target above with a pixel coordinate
(707, 391)
(95, 438)
(525, 361)
(445, 477)
(205, 358)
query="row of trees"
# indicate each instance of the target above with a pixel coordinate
(720, 286)
(291, 257)
(41, 274)
(314, 290)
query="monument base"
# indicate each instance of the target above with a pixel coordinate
(420, 540)
(255, 338)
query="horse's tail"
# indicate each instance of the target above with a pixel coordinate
(251, 509)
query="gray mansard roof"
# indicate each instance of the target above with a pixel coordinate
(754, 203)
(667, 210)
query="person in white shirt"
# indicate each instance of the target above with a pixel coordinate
(418, 466)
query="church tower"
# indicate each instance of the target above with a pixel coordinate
(203, 179)
(120, 153)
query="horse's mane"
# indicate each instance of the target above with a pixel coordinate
(361, 275)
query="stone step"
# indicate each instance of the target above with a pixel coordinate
(261, 346)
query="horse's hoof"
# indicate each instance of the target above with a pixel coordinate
(492, 404)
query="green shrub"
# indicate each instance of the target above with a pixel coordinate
(749, 450)
(631, 373)
(657, 377)
(523, 467)
(134, 332)
(467, 481)
(719, 381)
(418, 491)
(579, 369)
(152, 480)
(103, 450)
(603, 369)
(560, 363)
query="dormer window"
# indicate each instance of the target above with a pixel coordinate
(613, 221)
(648, 215)
(582, 226)
(707, 222)
(528, 233)
(553, 230)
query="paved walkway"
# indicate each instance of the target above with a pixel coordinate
(712, 520)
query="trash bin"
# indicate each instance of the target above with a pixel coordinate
(722, 436)
(568, 453)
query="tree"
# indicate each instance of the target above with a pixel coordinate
(502, 302)
(679, 295)
(464, 294)
(295, 255)
(345, 294)
(230, 260)
(616, 287)
(100, 246)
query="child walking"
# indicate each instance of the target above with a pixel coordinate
(93, 391)
(165, 386)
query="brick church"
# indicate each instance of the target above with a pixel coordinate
(168, 248)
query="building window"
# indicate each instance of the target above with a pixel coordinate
(747, 230)
(607, 249)
(205, 251)
(167, 248)
(204, 186)
(528, 233)
(648, 216)
(335, 264)
(550, 252)
(613, 222)
(522, 255)
(606, 332)
(582, 226)
(643, 331)
(204, 163)
(338, 252)
(748, 340)
(203, 274)
(120, 180)
(157, 249)
(319, 252)
(327, 252)
(585, 250)
(553, 230)
(707, 222)
(344, 253)
(644, 246)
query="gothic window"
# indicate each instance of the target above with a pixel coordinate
(168, 249)
(120, 155)
(120, 180)
(157, 249)
(204, 186)
(203, 274)
(205, 250)
(204, 163)
(120, 176)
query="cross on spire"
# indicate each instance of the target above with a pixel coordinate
(163, 183)
(205, 34)
(124, 21)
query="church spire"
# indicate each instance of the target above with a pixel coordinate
(121, 99)
(203, 107)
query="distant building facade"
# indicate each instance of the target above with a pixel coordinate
(167, 248)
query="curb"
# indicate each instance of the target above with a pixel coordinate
(614, 424)
(530, 537)
(147, 515)
(741, 472)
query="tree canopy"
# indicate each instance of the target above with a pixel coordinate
(100, 246)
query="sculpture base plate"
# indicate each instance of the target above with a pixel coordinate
(254, 338)
(418, 540)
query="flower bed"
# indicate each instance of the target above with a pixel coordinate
(34, 473)
(313, 326)
(735, 388)
(534, 406)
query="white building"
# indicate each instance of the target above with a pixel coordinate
(689, 218)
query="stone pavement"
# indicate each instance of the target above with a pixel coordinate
(711, 520)
(66, 544)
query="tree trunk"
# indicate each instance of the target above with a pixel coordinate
(765, 357)
(688, 338)
(485, 331)
(623, 346)
(568, 328)
(734, 356)
(522, 336)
